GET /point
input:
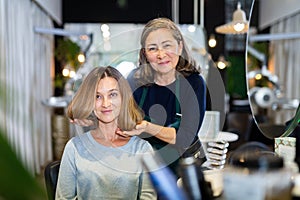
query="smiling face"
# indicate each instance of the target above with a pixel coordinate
(108, 100)
(162, 51)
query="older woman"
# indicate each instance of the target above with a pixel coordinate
(168, 87)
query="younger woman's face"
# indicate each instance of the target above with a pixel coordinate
(162, 50)
(108, 100)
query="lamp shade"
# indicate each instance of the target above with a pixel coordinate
(238, 25)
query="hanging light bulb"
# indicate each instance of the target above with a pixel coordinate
(81, 58)
(258, 76)
(66, 72)
(72, 73)
(222, 63)
(212, 42)
(238, 25)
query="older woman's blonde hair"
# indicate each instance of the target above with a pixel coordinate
(83, 103)
(186, 64)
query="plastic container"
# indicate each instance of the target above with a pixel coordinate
(257, 176)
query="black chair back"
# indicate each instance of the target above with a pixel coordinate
(51, 175)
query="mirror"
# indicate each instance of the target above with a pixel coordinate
(272, 62)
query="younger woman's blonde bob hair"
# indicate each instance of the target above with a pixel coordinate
(83, 103)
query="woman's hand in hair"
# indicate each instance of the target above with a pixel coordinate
(139, 128)
(166, 134)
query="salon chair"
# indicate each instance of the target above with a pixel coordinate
(51, 175)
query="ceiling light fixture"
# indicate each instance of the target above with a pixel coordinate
(239, 24)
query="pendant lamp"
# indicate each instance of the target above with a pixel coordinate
(239, 24)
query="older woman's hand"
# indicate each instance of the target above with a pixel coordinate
(139, 128)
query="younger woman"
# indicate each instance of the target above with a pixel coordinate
(101, 163)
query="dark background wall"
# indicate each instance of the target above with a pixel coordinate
(141, 11)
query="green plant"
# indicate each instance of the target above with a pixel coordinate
(16, 182)
(252, 62)
(59, 81)
(236, 78)
(66, 52)
(255, 64)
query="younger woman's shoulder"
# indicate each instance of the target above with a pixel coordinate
(142, 144)
(77, 141)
